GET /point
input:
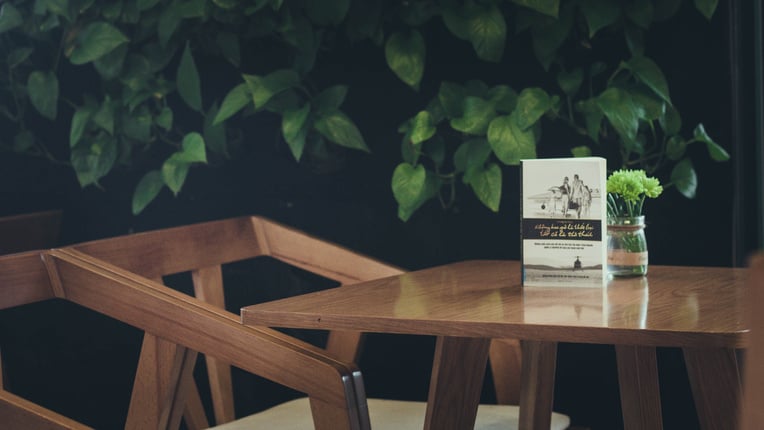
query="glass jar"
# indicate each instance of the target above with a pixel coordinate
(626, 246)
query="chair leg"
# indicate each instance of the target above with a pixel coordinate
(2, 374)
(193, 413)
(159, 388)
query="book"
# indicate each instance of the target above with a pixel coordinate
(563, 222)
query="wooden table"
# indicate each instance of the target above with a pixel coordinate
(466, 304)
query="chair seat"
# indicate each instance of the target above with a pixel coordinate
(384, 415)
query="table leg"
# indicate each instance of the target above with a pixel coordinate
(715, 382)
(457, 380)
(638, 382)
(537, 388)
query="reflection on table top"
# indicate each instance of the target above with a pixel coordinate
(672, 306)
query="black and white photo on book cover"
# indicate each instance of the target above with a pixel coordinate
(563, 228)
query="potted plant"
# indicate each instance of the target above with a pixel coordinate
(627, 191)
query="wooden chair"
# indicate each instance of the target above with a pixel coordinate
(203, 248)
(752, 417)
(175, 326)
(25, 232)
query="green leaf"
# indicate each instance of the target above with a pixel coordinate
(93, 160)
(665, 9)
(486, 183)
(715, 151)
(571, 81)
(653, 107)
(136, 72)
(422, 127)
(18, 56)
(549, 35)
(110, 65)
(431, 185)
(409, 153)
(130, 13)
(581, 151)
(408, 184)
(509, 142)
(233, 102)
(330, 99)
(174, 173)
(436, 149)
(188, 81)
(96, 40)
(621, 111)
(340, 129)
(294, 127)
(10, 17)
(79, 121)
(43, 93)
(707, 7)
(592, 117)
(477, 114)
(685, 179)
(405, 53)
(175, 168)
(640, 12)
(168, 22)
(651, 75)
(137, 124)
(264, 88)
(193, 149)
(215, 134)
(226, 4)
(487, 31)
(327, 13)
(147, 190)
(285, 100)
(635, 39)
(146, 4)
(451, 96)
(547, 7)
(454, 18)
(532, 104)
(363, 19)
(503, 97)
(675, 148)
(23, 141)
(471, 156)
(671, 121)
(600, 14)
(111, 11)
(104, 116)
(229, 47)
(165, 117)
(415, 14)
(50, 23)
(193, 9)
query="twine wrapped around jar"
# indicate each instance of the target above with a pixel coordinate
(626, 246)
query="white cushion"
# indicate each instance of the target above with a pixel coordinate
(384, 415)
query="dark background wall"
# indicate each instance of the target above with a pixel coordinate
(710, 67)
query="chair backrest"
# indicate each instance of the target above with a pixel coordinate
(753, 372)
(203, 248)
(179, 325)
(25, 232)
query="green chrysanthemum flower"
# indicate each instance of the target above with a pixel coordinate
(627, 190)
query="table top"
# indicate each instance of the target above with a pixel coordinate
(671, 306)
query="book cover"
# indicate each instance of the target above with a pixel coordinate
(563, 222)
